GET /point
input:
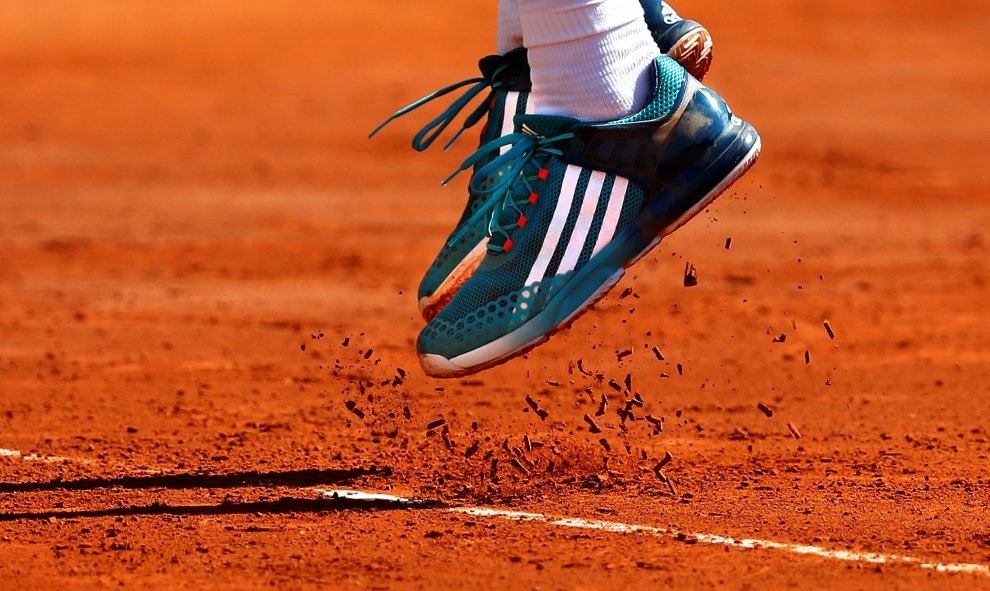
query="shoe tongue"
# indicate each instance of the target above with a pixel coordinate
(544, 125)
(514, 68)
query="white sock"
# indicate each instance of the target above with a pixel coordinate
(589, 59)
(510, 35)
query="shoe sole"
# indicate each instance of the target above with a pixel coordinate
(522, 340)
(695, 52)
(431, 305)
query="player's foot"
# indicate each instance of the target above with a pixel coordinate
(572, 205)
(506, 78)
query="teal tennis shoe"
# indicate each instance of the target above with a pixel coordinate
(568, 206)
(502, 91)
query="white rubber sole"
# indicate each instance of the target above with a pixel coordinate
(514, 344)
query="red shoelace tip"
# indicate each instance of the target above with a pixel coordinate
(521, 222)
(533, 197)
(544, 173)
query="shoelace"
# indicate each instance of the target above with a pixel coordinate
(426, 136)
(509, 170)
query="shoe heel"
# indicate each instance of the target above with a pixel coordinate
(709, 148)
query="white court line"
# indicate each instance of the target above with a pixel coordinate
(18, 455)
(623, 528)
(618, 528)
(13, 453)
(357, 495)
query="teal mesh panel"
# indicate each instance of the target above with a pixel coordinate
(632, 207)
(596, 224)
(451, 336)
(670, 80)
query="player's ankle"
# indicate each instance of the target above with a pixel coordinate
(591, 62)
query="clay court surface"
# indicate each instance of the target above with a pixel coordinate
(203, 260)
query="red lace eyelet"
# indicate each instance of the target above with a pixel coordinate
(533, 197)
(544, 173)
(507, 246)
(521, 222)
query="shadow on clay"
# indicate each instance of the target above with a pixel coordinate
(296, 478)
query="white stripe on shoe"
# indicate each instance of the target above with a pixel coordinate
(511, 104)
(612, 213)
(552, 239)
(587, 215)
